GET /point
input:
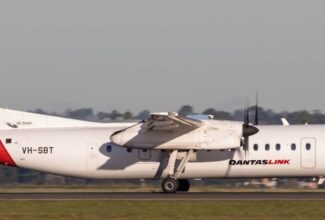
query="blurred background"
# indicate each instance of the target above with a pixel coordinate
(115, 60)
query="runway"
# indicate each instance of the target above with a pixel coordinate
(247, 196)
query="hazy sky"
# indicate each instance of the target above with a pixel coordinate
(159, 55)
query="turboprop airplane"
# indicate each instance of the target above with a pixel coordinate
(166, 146)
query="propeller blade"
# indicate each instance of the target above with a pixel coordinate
(246, 117)
(246, 143)
(256, 111)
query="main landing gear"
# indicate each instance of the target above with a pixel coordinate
(172, 183)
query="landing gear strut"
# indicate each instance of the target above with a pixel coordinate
(173, 184)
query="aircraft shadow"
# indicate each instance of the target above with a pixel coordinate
(119, 158)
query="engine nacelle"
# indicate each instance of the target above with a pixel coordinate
(213, 135)
(220, 135)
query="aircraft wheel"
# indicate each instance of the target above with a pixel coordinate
(184, 185)
(170, 185)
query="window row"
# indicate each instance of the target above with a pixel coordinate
(267, 147)
(278, 147)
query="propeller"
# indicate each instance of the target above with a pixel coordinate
(256, 111)
(249, 130)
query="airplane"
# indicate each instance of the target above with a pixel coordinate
(165, 146)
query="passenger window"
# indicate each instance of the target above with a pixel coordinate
(293, 147)
(267, 147)
(278, 147)
(308, 146)
(109, 148)
(255, 147)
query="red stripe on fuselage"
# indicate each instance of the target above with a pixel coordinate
(5, 158)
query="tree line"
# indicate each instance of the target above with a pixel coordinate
(266, 116)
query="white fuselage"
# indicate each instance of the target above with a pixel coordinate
(86, 151)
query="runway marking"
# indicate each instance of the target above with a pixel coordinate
(311, 196)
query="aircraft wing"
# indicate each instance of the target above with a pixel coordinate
(169, 122)
(159, 130)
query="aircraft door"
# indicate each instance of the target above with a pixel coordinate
(18, 146)
(308, 153)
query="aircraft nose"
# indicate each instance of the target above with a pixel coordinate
(117, 137)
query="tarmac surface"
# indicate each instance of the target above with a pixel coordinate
(220, 196)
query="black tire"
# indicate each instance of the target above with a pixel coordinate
(184, 185)
(170, 185)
